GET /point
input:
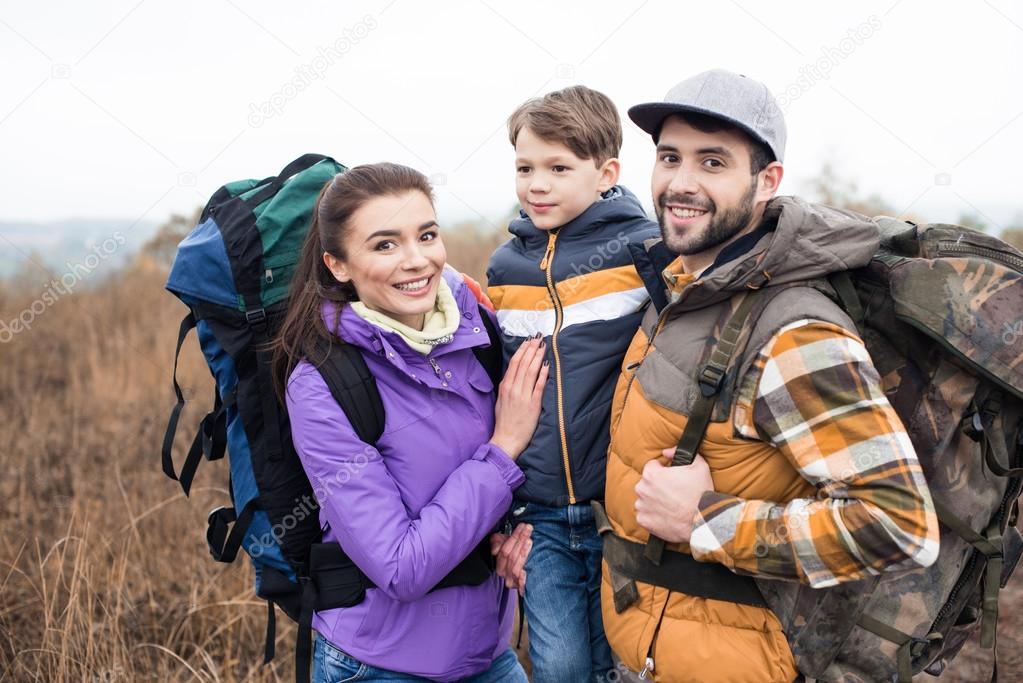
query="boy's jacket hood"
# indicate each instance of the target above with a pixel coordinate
(616, 205)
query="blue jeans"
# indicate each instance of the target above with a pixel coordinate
(331, 665)
(566, 630)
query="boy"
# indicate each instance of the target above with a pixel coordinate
(567, 275)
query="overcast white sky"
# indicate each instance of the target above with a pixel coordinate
(139, 109)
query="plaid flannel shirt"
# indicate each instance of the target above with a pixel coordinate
(814, 394)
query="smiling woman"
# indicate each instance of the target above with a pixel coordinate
(439, 479)
(395, 257)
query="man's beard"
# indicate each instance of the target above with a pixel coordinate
(722, 227)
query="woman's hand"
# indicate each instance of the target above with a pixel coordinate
(519, 396)
(511, 552)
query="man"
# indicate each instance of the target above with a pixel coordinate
(800, 469)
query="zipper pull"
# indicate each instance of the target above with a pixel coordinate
(647, 669)
(551, 237)
(269, 275)
(435, 366)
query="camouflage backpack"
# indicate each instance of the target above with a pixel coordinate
(940, 308)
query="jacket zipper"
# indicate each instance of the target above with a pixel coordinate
(649, 663)
(546, 265)
(956, 247)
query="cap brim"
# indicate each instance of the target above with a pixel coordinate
(650, 117)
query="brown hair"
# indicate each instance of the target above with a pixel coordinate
(313, 283)
(584, 120)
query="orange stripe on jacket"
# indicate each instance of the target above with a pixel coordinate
(571, 291)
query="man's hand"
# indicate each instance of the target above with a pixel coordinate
(511, 552)
(667, 498)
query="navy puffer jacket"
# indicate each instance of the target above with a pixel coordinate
(576, 285)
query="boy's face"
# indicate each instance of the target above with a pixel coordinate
(553, 184)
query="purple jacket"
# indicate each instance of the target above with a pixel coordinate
(410, 509)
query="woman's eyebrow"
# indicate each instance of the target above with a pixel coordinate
(392, 232)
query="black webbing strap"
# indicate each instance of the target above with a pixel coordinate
(988, 544)
(270, 648)
(274, 184)
(210, 440)
(255, 315)
(678, 572)
(226, 529)
(522, 618)
(710, 379)
(908, 645)
(490, 356)
(187, 323)
(304, 646)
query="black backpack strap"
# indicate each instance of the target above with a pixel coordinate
(490, 357)
(187, 323)
(210, 440)
(225, 530)
(273, 184)
(270, 645)
(256, 317)
(352, 385)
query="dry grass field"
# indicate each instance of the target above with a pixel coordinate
(104, 572)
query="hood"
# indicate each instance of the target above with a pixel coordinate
(616, 205)
(808, 241)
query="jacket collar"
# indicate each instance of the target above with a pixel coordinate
(616, 205)
(389, 345)
(808, 241)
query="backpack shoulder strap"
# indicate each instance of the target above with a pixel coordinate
(711, 379)
(353, 387)
(490, 357)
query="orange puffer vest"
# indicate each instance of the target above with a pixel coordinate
(694, 639)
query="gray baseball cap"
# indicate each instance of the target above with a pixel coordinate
(722, 94)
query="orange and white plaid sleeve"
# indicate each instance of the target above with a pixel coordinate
(814, 394)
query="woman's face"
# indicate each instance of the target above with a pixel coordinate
(394, 256)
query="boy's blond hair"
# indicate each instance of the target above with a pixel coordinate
(584, 120)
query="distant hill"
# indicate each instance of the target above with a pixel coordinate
(55, 243)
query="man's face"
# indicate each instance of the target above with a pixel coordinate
(703, 191)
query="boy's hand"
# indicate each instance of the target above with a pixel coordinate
(511, 552)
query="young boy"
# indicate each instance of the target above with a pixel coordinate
(567, 275)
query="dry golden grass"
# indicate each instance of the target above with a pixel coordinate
(104, 572)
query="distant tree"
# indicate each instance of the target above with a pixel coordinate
(829, 188)
(1014, 236)
(164, 244)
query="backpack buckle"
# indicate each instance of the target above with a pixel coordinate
(255, 317)
(710, 379)
(972, 425)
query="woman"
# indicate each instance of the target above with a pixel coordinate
(441, 476)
